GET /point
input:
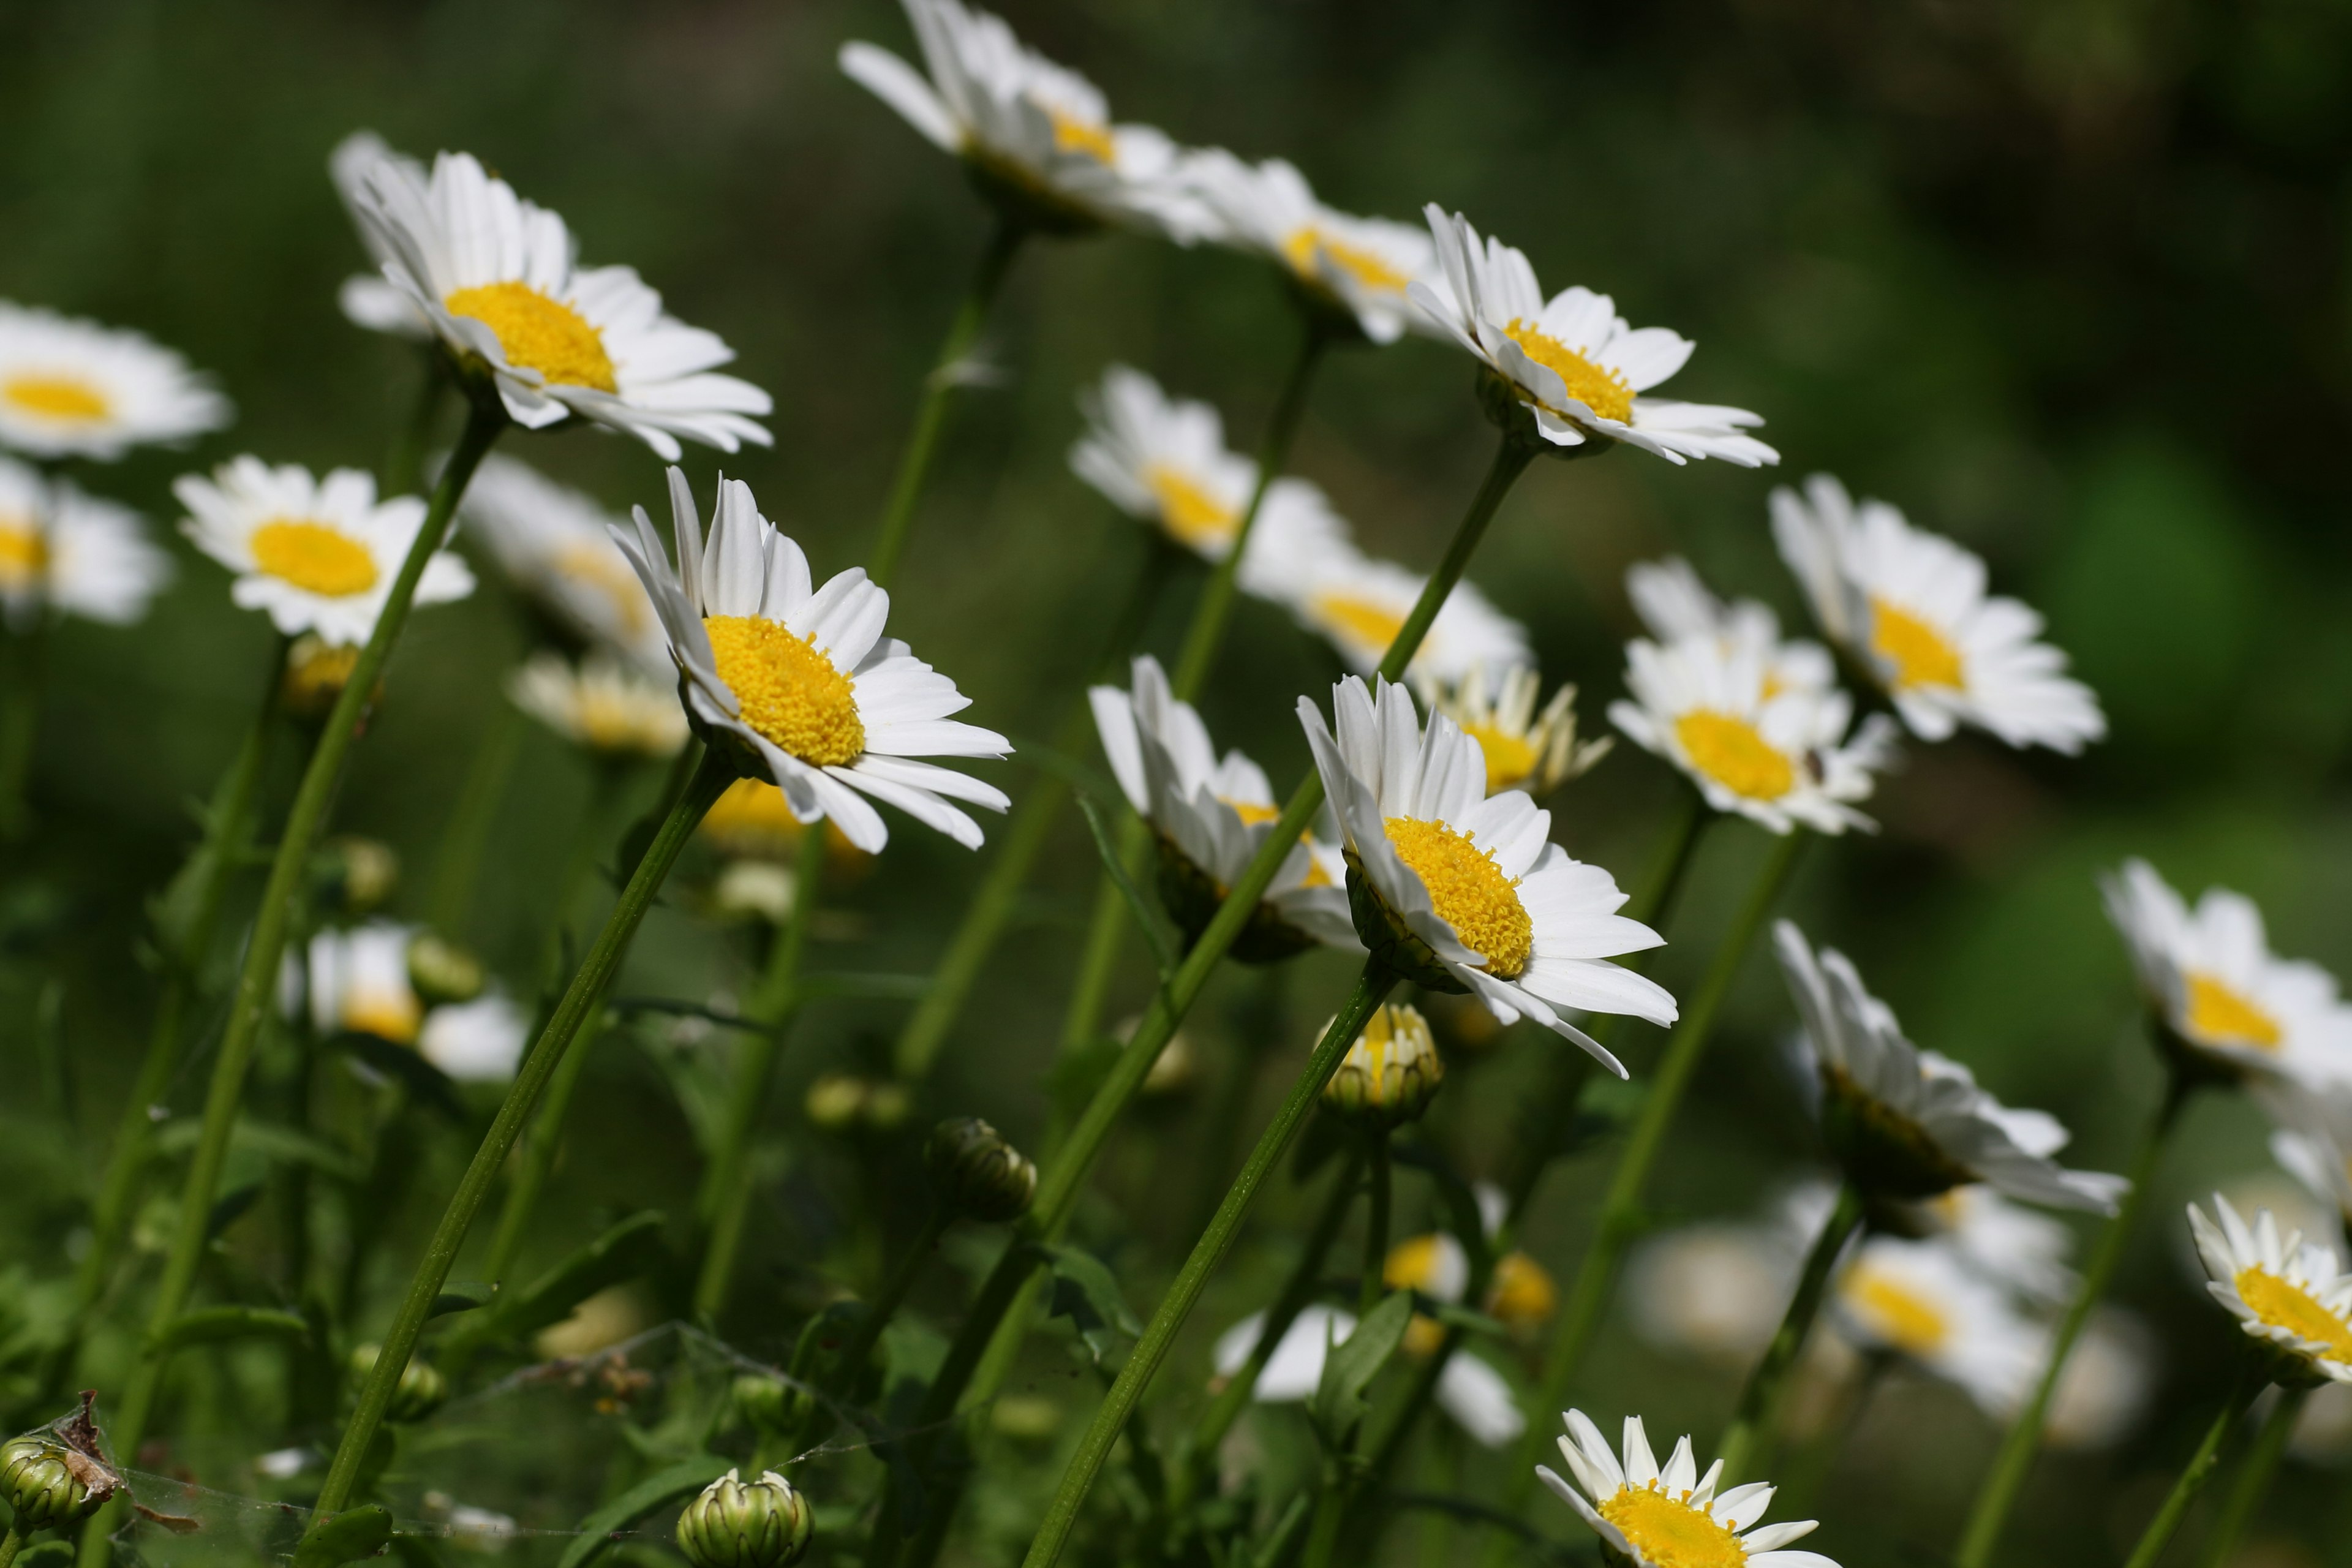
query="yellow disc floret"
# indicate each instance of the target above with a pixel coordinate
(1356, 622)
(1669, 1532)
(24, 553)
(1602, 390)
(1304, 246)
(1073, 134)
(1896, 1313)
(538, 332)
(1919, 654)
(2217, 1014)
(1469, 891)
(1511, 755)
(2284, 1304)
(66, 398)
(313, 557)
(790, 693)
(1194, 518)
(1730, 751)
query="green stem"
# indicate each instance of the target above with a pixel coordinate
(457, 869)
(884, 1307)
(1331, 1508)
(10, 1544)
(2195, 1474)
(1377, 1193)
(1372, 987)
(2253, 1482)
(1753, 1419)
(939, 388)
(21, 662)
(581, 1000)
(2023, 1439)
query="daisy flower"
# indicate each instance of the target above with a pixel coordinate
(367, 298)
(1353, 269)
(1392, 1071)
(1908, 1123)
(1573, 362)
(1783, 759)
(357, 983)
(1714, 1289)
(1470, 1392)
(1359, 605)
(65, 551)
(1036, 138)
(557, 545)
(1525, 750)
(803, 678)
(2225, 1001)
(72, 388)
(1911, 607)
(1924, 1301)
(1670, 1518)
(480, 1041)
(2023, 1250)
(498, 278)
(1673, 604)
(1459, 890)
(602, 705)
(1210, 816)
(317, 555)
(2284, 1292)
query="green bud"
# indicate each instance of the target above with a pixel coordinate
(355, 876)
(442, 971)
(49, 1484)
(421, 1391)
(772, 1405)
(975, 1173)
(845, 1102)
(1392, 1072)
(764, 1524)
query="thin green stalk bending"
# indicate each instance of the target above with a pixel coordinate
(581, 1001)
(1753, 1419)
(1378, 1190)
(2195, 1474)
(2023, 1440)
(2252, 1481)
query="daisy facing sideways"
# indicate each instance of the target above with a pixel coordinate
(64, 551)
(72, 388)
(1924, 1301)
(368, 298)
(1572, 361)
(1673, 604)
(1359, 605)
(1652, 1517)
(1459, 890)
(1354, 269)
(1495, 706)
(317, 554)
(801, 677)
(500, 280)
(602, 705)
(557, 545)
(1468, 1390)
(1912, 610)
(2284, 1291)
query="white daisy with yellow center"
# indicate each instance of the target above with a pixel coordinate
(802, 677)
(1572, 361)
(316, 555)
(1034, 135)
(357, 981)
(1673, 604)
(1715, 1289)
(1359, 605)
(1780, 755)
(497, 277)
(1926, 1302)
(2285, 1291)
(1670, 1517)
(1911, 608)
(1525, 750)
(72, 388)
(2210, 976)
(1462, 891)
(368, 298)
(1211, 815)
(1357, 267)
(62, 551)
(557, 545)
(1469, 1390)
(601, 705)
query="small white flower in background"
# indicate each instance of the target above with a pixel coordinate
(1357, 267)
(1673, 604)
(368, 298)
(557, 545)
(1924, 1301)
(2106, 1386)
(1670, 1517)
(1463, 890)
(1714, 1289)
(316, 555)
(480, 1041)
(756, 889)
(65, 551)
(72, 388)
(601, 704)
(499, 279)
(1911, 608)
(1037, 136)
(1470, 1392)
(2285, 1291)
(2221, 994)
(803, 678)
(1572, 361)
(2024, 1249)
(1781, 757)
(1212, 814)
(1358, 605)
(357, 981)
(2313, 1139)
(1527, 750)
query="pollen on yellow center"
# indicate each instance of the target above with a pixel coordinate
(2217, 1014)
(1897, 1313)
(537, 332)
(1364, 622)
(1072, 134)
(2284, 1304)
(1304, 246)
(1921, 655)
(1604, 390)
(24, 551)
(1469, 891)
(790, 693)
(1668, 1532)
(1511, 757)
(68, 399)
(313, 557)
(1729, 750)
(1198, 519)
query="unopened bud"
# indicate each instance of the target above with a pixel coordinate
(734, 1524)
(49, 1484)
(316, 673)
(355, 876)
(421, 1391)
(773, 1404)
(1392, 1072)
(443, 972)
(976, 1173)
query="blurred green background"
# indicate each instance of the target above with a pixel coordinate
(2065, 279)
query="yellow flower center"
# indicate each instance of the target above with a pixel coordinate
(1424, 1335)
(1728, 750)
(1306, 244)
(1413, 1264)
(596, 568)
(24, 553)
(1603, 391)
(1469, 891)
(1358, 623)
(613, 723)
(1198, 519)
(68, 399)
(2284, 1304)
(2218, 1015)
(539, 334)
(314, 557)
(1921, 655)
(1897, 1313)
(1072, 134)
(1521, 1294)
(752, 818)
(1669, 1532)
(1250, 813)
(1511, 757)
(388, 1017)
(790, 693)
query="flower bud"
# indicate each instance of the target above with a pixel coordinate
(355, 876)
(443, 972)
(316, 673)
(764, 1524)
(753, 890)
(1392, 1072)
(975, 1173)
(49, 1484)
(773, 1404)
(421, 1391)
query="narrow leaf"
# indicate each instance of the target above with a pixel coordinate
(1349, 1368)
(632, 1506)
(1162, 952)
(211, 1325)
(1082, 1289)
(462, 1297)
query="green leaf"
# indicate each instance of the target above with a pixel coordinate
(624, 1512)
(623, 1252)
(210, 1325)
(462, 1297)
(345, 1538)
(272, 1140)
(1081, 1288)
(1349, 1370)
(1162, 952)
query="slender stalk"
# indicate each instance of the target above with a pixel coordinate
(2023, 1440)
(1372, 987)
(1753, 1419)
(2194, 1475)
(10, 1544)
(884, 1307)
(457, 867)
(1378, 1190)
(581, 1000)
(2252, 1481)
(938, 388)
(21, 662)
